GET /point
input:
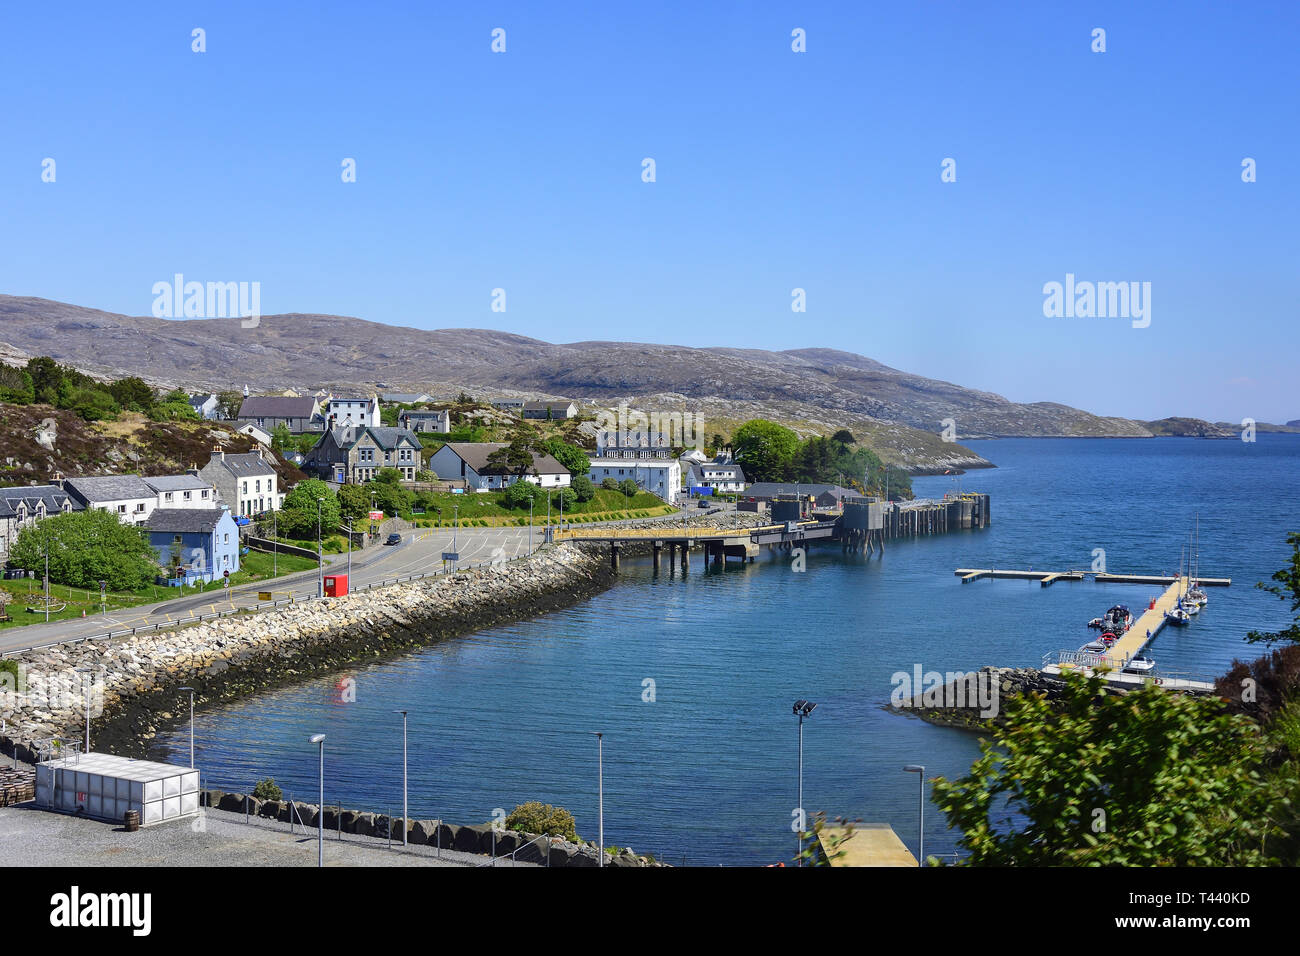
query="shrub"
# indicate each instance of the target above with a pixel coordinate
(628, 487)
(267, 790)
(543, 819)
(609, 484)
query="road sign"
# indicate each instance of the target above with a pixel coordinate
(451, 555)
(376, 516)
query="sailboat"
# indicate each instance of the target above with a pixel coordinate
(1179, 614)
(1196, 597)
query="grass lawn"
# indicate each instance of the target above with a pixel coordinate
(486, 510)
(71, 602)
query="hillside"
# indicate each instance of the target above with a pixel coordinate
(36, 441)
(904, 412)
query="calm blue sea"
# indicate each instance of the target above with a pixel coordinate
(707, 772)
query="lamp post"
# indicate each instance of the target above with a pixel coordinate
(191, 690)
(920, 809)
(455, 525)
(530, 521)
(405, 824)
(275, 545)
(103, 598)
(320, 557)
(47, 577)
(320, 811)
(349, 553)
(600, 791)
(802, 708)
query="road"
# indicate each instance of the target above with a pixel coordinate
(420, 552)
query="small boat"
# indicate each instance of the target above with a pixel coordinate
(1108, 639)
(1117, 620)
(1178, 616)
(1095, 622)
(1095, 647)
(1140, 665)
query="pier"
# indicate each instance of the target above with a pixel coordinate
(1042, 577)
(862, 526)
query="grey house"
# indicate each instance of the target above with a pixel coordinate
(424, 420)
(355, 455)
(268, 411)
(246, 483)
(551, 410)
(23, 507)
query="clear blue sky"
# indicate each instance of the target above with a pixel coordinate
(775, 170)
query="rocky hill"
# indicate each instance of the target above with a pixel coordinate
(38, 441)
(904, 412)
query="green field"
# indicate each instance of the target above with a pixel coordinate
(486, 510)
(69, 602)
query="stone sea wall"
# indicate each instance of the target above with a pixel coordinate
(531, 847)
(137, 679)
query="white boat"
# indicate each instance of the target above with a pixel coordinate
(1094, 647)
(1178, 616)
(1140, 665)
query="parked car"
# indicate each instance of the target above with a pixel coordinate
(394, 538)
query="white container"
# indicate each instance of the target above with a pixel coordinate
(104, 786)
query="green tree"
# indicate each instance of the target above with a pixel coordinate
(392, 498)
(628, 487)
(297, 517)
(570, 456)
(282, 438)
(229, 404)
(1287, 588)
(47, 380)
(354, 502)
(132, 394)
(1147, 778)
(516, 458)
(609, 484)
(765, 450)
(87, 547)
(388, 476)
(563, 496)
(520, 493)
(582, 487)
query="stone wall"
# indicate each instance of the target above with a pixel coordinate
(449, 836)
(244, 654)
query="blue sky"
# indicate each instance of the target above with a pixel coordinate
(775, 170)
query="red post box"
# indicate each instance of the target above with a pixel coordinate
(336, 585)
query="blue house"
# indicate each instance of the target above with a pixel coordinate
(195, 544)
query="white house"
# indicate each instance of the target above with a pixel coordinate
(721, 475)
(425, 420)
(352, 412)
(251, 429)
(24, 506)
(247, 483)
(660, 476)
(468, 461)
(183, 491)
(208, 406)
(126, 496)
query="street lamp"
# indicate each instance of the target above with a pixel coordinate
(802, 708)
(103, 598)
(530, 520)
(405, 824)
(600, 776)
(320, 812)
(191, 690)
(349, 553)
(919, 770)
(320, 557)
(275, 545)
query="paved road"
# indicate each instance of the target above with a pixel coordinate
(419, 553)
(33, 837)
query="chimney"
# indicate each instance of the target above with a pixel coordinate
(260, 453)
(219, 452)
(57, 480)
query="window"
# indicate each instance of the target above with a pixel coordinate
(188, 495)
(257, 485)
(121, 509)
(167, 496)
(139, 508)
(243, 489)
(227, 538)
(205, 494)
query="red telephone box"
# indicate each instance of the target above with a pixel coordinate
(336, 585)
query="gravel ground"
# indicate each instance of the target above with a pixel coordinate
(32, 837)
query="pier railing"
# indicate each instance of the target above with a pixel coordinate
(1166, 676)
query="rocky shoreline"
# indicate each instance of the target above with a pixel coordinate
(138, 678)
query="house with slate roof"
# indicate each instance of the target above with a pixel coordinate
(247, 483)
(24, 506)
(355, 455)
(127, 496)
(468, 461)
(196, 545)
(269, 411)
